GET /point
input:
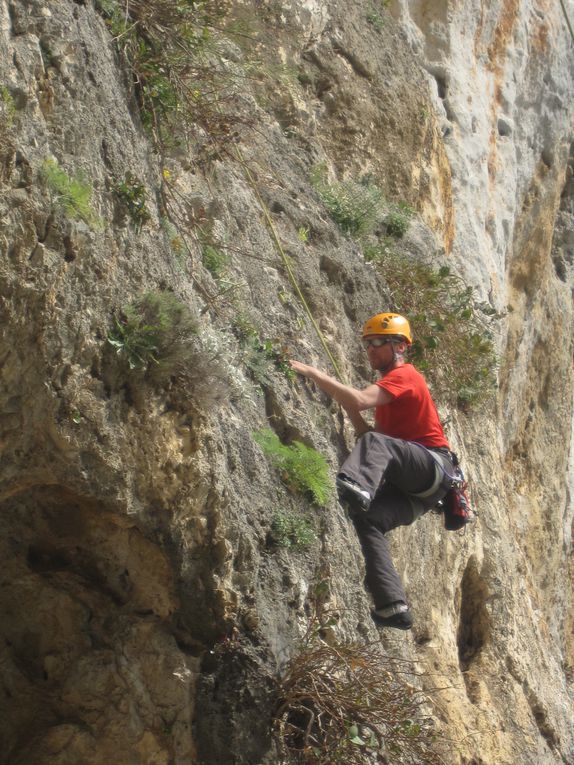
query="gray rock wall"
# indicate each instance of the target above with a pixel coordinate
(145, 611)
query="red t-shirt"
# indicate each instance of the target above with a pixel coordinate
(412, 414)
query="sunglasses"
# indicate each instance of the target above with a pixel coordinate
(376, 342)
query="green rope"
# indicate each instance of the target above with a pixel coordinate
(287, 265)
(567, 19)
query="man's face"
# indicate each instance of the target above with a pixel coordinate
(381, 356)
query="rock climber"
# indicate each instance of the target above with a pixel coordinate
(393, 474)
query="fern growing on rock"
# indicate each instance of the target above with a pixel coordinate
(302, 468)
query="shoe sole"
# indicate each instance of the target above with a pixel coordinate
(351, 497)
(396, 622)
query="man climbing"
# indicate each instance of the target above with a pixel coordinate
(393, 474)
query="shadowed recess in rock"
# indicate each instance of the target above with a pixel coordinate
(474, 622)
(88, 663)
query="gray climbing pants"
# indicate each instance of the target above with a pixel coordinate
(393, 471)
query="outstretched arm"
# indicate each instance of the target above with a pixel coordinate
(353, 400)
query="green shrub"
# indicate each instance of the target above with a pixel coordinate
(154, 330)
(261, 355)
(377, 253)
(354, 206)
(453, 341)
(375, 19)
(302, 468)
(397, 222)
(357, 206)
(73, 195)
(175, 241)
(215, 260)
(349, 704)
(159, 343)
(292, 531)
(132, 195)
(215, 374)
(180, 78)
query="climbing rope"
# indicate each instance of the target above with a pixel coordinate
(284, 258)
(564, 11)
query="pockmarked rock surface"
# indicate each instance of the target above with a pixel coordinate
(146, 607)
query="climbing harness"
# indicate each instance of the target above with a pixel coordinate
(455, 505)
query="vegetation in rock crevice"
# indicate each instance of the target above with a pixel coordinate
(154, 330)
(181, 80)
(72, 194)
(397, 221)
(133, 198)
(301, 467)
(291, 531)
(348, 703)
(354, 205)
(260, 355)
(159, 341)
(182, 84)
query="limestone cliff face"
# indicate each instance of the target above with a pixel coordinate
(145, 615)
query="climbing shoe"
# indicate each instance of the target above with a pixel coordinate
(397, 615)
(350, 491)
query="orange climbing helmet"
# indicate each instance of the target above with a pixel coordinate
(388, 324)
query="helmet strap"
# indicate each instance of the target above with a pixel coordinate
(397, 360)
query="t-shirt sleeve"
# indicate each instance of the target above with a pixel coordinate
(394, 383)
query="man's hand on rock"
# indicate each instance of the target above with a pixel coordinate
(306, 370)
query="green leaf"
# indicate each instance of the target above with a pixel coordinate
(354, 736)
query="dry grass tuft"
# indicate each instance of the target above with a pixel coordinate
(350, 703)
